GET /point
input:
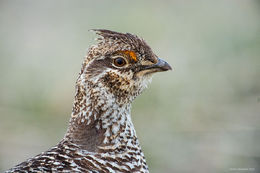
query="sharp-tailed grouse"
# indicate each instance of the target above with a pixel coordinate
(101, 136)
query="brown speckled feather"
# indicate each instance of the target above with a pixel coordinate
(101, 136)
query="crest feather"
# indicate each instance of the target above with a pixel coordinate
(127, 38)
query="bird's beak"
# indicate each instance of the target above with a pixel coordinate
(161, 65)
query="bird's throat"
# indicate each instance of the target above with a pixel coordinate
(98, 123)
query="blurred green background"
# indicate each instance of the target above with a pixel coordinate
(202, 117)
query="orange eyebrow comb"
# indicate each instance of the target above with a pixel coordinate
(131, 54)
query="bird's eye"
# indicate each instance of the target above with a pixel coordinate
(119, 62)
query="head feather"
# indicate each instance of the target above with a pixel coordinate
(127, 40)
(110, 42)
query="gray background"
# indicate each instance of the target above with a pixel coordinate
(202, 117)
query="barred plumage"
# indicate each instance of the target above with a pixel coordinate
(101, 136)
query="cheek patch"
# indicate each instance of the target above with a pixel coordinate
(130, 54)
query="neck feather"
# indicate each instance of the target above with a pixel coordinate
(98, 122)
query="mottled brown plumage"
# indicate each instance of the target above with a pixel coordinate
(101, 136)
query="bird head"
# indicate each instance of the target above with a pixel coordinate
(120, 64)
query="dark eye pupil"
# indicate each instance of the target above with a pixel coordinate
(119, 61)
